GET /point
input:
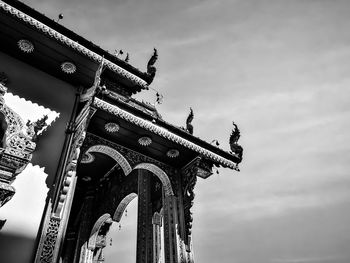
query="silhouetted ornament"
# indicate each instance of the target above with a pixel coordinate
(145, 141)
(112, 127)
(68, 67)
(173, 153)
(25, 45)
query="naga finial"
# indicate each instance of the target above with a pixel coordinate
(151, 69)
(189, 126)
(234, 137)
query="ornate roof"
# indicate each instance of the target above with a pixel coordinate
(173, 134)
(70, 39)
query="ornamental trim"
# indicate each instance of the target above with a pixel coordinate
(163, 177)
(148, 125)
(71, 43)
(114, 154)
(122, 206)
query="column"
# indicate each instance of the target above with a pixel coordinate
(144, 247)
(157, 247)
(170, 235)
(82, 253)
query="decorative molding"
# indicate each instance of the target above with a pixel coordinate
(112, 127)
(105, 218)
(48, 248)
(122, 206)
(71, 43)
(68, 67)
(87, 158)
(131, 156)
(148, 125)
(163, 177)
(25, 45)
(114, 154)
(16, 144)
(189, 177)
(173, 153)
(145, 141)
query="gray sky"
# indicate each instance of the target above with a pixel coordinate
(278, 68)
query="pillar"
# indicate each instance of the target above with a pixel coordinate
(144, 247)
(170, 226)
(157, 247)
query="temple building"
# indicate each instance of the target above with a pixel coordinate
(103, 149)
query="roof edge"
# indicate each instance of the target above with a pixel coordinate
(163, 132)
(71, 43)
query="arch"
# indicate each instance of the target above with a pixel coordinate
(163, 177)
(114, 154)
(106, 218)
(122, 206)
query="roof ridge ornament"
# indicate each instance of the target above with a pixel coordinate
(233, 141)
(89, 93)
(151, 69)
(189, 126)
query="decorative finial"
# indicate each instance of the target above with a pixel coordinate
(234, 137)
(60, 16)
(159, 98)
(216, 142)
(117, 53)
(189, 126)
(127, 58)
(151, 69)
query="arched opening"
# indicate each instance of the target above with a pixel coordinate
(114, 154)
(136, 224)
(121, 238)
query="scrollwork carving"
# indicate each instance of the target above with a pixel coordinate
(50, 241)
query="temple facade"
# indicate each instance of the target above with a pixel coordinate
(103, 150)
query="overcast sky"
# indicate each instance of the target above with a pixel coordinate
(281, 70)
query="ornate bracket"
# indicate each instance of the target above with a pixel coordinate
(197, 167)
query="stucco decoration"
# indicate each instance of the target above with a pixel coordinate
(25, 45)
(16, 144)
(148, 125)
(87, 158)
(163, 177)
(106, 218)
(145, 141)
(111, 127)
(122, 206)
(71, 43)
(173, 153)
(68, 67)
(114, 154)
